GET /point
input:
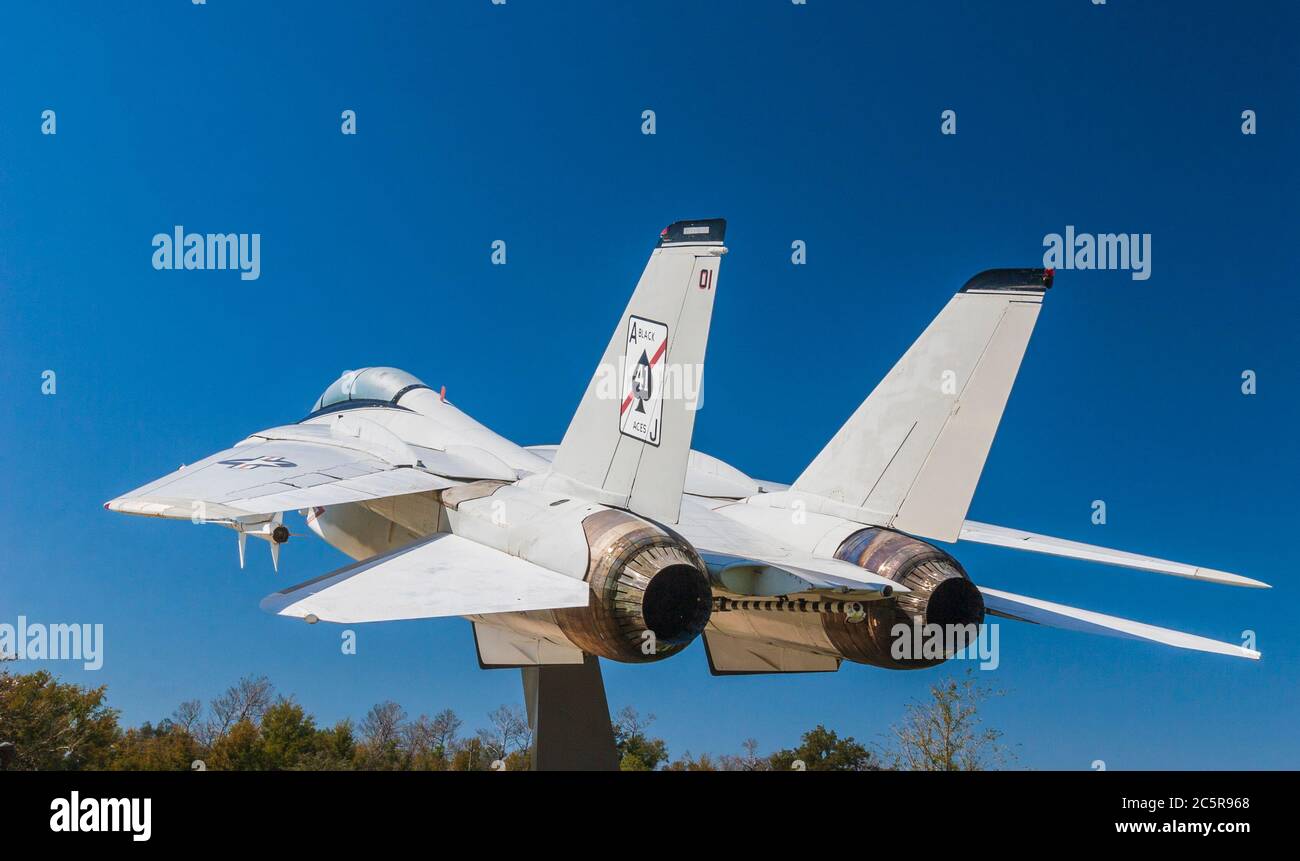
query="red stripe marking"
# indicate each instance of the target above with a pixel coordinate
(659, 354)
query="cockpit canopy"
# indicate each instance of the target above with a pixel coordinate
(366, 387)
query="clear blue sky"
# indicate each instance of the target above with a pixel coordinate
(523, 122)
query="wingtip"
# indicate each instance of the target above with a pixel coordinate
(273, 604)
(1229, 579)
(1247, 653)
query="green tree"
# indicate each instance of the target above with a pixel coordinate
(238, 749)
(472, 755)
(55, 726)
(821, 749)
(637, 751)
(166, 747)
(288, 735)
(333, 749)
(687, 763)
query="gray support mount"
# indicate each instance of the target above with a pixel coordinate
(569, 715)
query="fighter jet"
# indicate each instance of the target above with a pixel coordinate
(624, 543)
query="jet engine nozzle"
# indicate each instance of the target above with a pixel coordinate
(650, 593)
(943, 603)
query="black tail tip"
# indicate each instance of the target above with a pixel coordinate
(701, 231)
(994, 280)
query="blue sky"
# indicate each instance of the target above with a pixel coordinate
(523, 123)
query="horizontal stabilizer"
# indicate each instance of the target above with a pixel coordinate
(984, 533)
(499, 648)
(445, 575)
(1040, 612)
(734, 656)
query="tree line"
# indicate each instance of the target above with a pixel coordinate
(46, 724)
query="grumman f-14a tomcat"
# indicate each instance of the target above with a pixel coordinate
(624, 543)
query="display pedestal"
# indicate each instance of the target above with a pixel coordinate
(569, 715)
